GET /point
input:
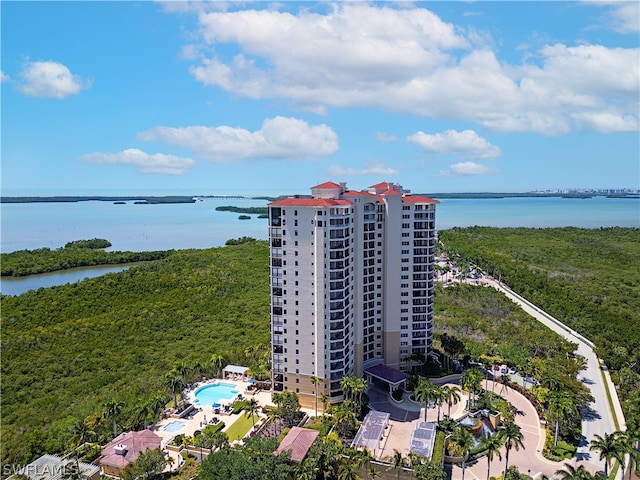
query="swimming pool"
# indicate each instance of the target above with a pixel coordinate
(174, 426)
(216, 393)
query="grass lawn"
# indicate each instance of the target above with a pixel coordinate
(240, 427)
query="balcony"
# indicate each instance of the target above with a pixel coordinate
(276, 242)
(278, 349)
(276, 262)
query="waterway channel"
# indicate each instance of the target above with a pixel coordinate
(19, 285)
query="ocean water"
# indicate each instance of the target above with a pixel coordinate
(198, 225)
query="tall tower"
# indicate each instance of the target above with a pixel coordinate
(351, 284)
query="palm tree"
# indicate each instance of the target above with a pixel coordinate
(217, 362)
(183, 368)
(157, 403)
(348, 469)
(438, 395)
(397, 462)
(512, 437)
(471, 381)
(560, 405)
(569, 472)
(170, 462)
(358, 387)
(451, 395)
(141, 413)
(630, 440)
(196, 368)
(464, 440)
(174, 382)
(252, 409)
(491, 445)
(325, 401)
(81, 432)
(423, 393)
(609, 447)
(346, 384)
(219, 440)
(316, 381)
(112, 409)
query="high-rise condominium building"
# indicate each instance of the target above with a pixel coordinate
(352, 277)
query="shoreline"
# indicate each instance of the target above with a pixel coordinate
(172, 199)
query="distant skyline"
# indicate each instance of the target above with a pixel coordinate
(267, 97)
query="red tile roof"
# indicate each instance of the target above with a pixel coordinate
(391, 192)
(309, 202)
(134, 443)
(386, 185)
(418, 199)
(298, 441)
(327, 185)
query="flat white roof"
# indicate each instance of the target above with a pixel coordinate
(236, 369)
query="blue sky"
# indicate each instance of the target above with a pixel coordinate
(268, 97)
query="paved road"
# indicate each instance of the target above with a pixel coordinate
(597, 419)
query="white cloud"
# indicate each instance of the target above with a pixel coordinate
(371, 168)
(279, 138)
(463, 169)
(50, 79)
(466, 144)
(623, 16)
(606, 122)
(4, 77)
(385, 137)
(409, 60)
(626, 16)
(143, 162)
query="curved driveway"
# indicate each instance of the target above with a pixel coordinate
(598, 418)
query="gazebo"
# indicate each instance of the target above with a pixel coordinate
(392, 377)
(232, 371)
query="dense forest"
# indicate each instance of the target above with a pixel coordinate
(587, 278)
(69, 350)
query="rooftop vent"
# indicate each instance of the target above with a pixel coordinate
(120, 450)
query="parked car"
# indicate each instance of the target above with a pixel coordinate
(513, 370)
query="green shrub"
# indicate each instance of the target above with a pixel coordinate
(209, 429)
(238, 406)
(438, 449)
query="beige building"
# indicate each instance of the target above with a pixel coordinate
(352, 276)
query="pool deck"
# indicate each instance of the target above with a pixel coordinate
(198, 422)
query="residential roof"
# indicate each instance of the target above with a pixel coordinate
(391, 192)
(51, 467)
(385, 185)
(327, 185)
(235, 369)
(298, 441)
(418, 199)
(134, 444)
(309, 202)
(387, 374)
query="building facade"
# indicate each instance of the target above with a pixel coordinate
(352, 284)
